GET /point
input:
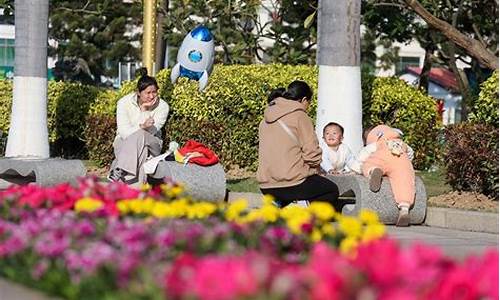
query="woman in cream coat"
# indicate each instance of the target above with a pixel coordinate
(139, 117)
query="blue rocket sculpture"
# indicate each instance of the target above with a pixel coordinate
(195, 57)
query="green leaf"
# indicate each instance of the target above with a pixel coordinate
(309, 20)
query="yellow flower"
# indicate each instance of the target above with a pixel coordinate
(322, 210)
(348, 245)
(316, 235)
(123, 207)
(291, 211)
(252, 216)
(350, 226)
(200, 210)
(295, 217)
(235, 209)
(145, 187)
(270, 213)
(179, 207)
(328, 229)
(161, 210)
(368, 217)
(172, 191)
(88, 204)
(135, 206)
(373, 232)
(267, 200)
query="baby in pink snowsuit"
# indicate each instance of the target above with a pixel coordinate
(385, 154)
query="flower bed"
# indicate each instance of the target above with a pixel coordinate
(114, 242)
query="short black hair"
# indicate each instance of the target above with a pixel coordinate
(297, 90)
(279, 92)
(366, 131)
(333, 124)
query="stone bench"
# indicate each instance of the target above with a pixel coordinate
(44, 172)
(201, 183)
(382, 202)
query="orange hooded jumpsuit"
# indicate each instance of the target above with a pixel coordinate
(394, 162)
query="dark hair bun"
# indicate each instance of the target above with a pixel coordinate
(141, 72)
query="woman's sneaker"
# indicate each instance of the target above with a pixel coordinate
(376, 179)
(116, 174)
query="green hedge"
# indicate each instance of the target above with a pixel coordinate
(68, 104)
(485, 109)
(226, 115)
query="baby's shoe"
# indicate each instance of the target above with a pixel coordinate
(404, 215)
(376, 179)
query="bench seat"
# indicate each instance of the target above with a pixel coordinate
(382, 202)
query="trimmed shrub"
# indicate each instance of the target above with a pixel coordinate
(485, 109)
(5, 105)
(67, 106)
(400, 105)
(471, 158)
(232, 107)
(100, 132)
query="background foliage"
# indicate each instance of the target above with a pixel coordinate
(92, 36)
(471, 158)
(225, 117)
(485, 109)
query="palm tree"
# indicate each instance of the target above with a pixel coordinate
(28, 134)
(339, 82)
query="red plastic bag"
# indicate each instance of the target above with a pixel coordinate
(207, 158)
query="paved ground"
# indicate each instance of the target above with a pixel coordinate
(455, 243)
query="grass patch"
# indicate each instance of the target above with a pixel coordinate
(435, 182)
(243, 185)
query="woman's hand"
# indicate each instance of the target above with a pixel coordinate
(149, 122)
(147, 105)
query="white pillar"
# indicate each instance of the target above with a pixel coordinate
(28, 133)
(339, 100)
(339, 82)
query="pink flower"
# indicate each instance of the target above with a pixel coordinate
(456, 284)
(40, 268)
(179, 275)
(328, 272)
(238, 280)
(381, 262)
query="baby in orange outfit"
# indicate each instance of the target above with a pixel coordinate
(385, 154)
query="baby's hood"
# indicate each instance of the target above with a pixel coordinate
(382, 131)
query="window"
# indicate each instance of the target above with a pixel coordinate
(407, 61)
(7, 52)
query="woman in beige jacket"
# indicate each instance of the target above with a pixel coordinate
(289, 152)
(140, 117)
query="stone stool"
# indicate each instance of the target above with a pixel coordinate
(382, 202)
(201, 183)
(44, 172)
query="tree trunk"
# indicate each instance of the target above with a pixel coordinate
(28, 134)
(473, 47)
(463, 83)
(160, 41)
(339, 82)
(423, 82)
